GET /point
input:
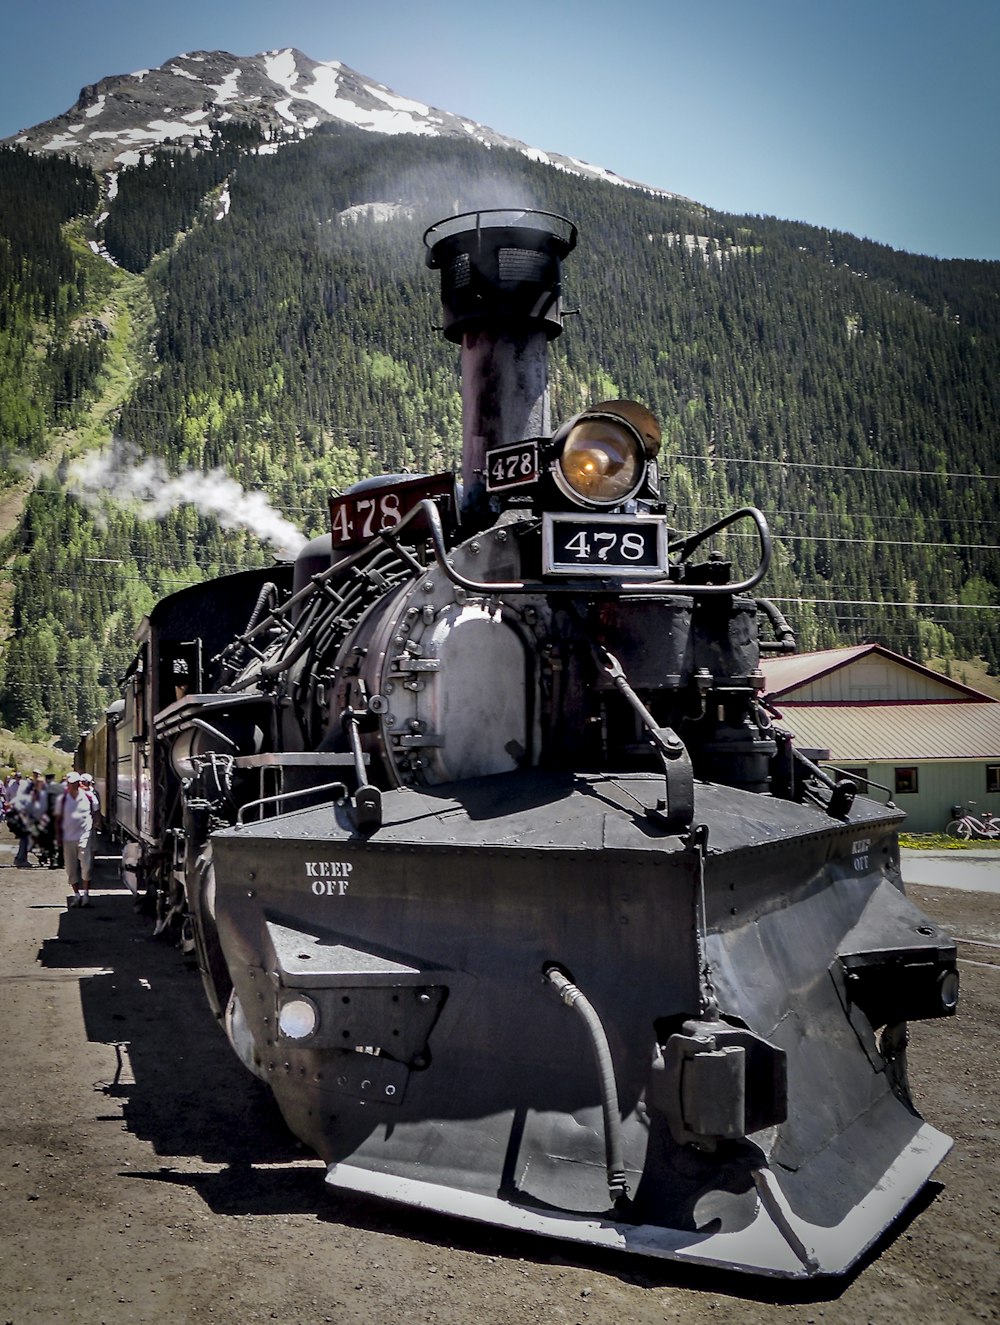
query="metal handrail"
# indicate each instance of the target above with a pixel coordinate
(287, 795)
(674, 587)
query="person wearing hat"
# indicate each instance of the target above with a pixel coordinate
(75, 833)
(29, 806)
(87, 783)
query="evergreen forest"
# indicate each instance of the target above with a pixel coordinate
(241, 310)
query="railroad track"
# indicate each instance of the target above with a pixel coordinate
(977, 952)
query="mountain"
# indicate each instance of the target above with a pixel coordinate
(231, 314)
(283, 94)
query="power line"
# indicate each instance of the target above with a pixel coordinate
(880, 602)
(706, 512)
(840, 469)
(73, 581)
(714, 512)
(372, 434)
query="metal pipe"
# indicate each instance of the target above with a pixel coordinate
(574, 998)
(629, 587)
(785, 641)
(340, 787)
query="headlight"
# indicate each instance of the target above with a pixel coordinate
(604, 453)
(298, 1018)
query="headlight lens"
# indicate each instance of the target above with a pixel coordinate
(948, 988)
(298, 1018)
(602, 462)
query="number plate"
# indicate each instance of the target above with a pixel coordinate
(611, 545)
(512, 466)
(358, 516)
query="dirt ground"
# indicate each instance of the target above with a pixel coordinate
(146, 1177)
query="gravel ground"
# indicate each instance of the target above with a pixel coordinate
(146, 1177)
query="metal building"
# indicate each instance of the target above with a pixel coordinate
(921, 739)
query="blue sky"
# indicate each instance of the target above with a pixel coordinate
(880, 117)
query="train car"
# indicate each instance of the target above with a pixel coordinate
(499, 872)
(141, 793)
(94, 754)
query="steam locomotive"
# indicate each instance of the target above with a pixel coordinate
(497, 869)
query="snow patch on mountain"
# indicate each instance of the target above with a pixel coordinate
(229, 89)
(374, 211)
(117, 121)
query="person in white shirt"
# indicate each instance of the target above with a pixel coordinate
(75, 810)
(87, 785)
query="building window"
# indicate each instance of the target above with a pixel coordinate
(859, 775)
(993, 777)
(906, 780)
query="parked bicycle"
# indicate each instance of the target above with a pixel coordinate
(966, 825)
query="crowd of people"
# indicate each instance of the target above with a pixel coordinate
(56, 823)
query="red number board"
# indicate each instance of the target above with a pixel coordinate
(357, 517)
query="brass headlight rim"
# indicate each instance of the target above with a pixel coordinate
(626, 429)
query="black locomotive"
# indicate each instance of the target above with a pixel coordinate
(497, 870)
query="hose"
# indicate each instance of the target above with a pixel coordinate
(575, 999)
(785, 635)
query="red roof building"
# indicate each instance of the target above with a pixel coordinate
(919, 739)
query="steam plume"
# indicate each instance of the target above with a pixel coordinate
(119, 474)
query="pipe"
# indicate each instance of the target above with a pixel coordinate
(575, 586)
(785, 635)
(574, 998)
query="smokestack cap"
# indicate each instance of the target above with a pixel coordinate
(501, 269)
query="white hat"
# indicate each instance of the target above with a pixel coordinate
(72, 777)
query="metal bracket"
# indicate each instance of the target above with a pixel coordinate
(675, 810)
(405, 664)
(367, 798)
(419, 741)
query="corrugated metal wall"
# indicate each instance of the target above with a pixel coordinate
(940, 784)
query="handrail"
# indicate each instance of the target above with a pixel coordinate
(286, 795)
(679, 589)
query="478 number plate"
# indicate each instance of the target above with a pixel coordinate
(610, 545)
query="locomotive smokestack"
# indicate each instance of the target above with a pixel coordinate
(501, 287)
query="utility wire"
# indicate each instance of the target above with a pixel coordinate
(840, 469)
(370, 434)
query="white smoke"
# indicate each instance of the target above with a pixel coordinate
(119, 474)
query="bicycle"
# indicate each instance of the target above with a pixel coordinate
(967, 825)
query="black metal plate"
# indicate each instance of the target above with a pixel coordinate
(512, 466)
(605, 545)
